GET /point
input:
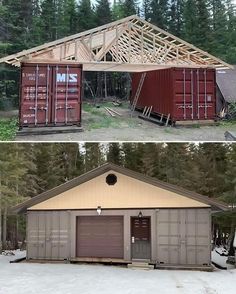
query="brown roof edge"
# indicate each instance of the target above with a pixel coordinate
(22, 207)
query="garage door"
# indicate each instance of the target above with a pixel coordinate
(100, 236)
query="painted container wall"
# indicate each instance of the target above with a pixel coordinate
(184, 93)
(184, 236)
(50, 95)
(178, 236)
(48, 235)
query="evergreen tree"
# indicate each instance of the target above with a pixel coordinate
(159, 13)
(49, 18)
(176, 17)
(230, 46)
(129, 7)
(114, 153)
(93, 156)
(117, 10)
(146, 9)
(103, 12)
(203, 32)
(86, 16)
(68, 18)
(213, 166)
(133, 153)
(190, 22)
(151, 160)
(219, 25)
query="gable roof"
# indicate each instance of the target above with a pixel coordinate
(129, 44)
(226, 81)
(21, 208)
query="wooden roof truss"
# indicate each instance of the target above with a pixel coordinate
(130, 44)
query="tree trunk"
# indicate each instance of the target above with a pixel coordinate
(4, 230)
(0, 226)
(0, 217)
(105, 85)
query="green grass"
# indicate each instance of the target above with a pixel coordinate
(100, 119)
(8, 128)
(228, 123)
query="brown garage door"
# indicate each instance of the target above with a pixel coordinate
(100, 236)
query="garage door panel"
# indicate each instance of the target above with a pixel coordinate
(100, 236)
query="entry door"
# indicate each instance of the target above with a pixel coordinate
(140, 238)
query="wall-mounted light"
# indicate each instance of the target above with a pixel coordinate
(140, 215)
(99, 210)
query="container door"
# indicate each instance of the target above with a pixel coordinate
(184, 85)
(205, 94)
(198, 237)
(35, 95)
(169, 247)
(66, 106)
(194, 94)
(140, 238)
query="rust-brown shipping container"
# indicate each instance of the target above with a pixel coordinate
(184, 93)
(50, 94)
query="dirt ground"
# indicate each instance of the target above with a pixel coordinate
(98, 125)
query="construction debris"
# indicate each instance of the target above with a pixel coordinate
(112, 112)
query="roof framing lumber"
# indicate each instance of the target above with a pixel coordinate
(129, 44)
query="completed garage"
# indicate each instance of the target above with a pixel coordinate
(112, 214)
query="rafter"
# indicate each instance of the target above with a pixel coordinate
(130, 43)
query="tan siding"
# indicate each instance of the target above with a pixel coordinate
(126, 193)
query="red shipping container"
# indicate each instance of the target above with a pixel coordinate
(184, 93)
(50, 94)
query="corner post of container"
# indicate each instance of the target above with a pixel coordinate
(20, 97)
(55, 106)
(81, 92)
(36, 95)
(66, 97)
(205, 89)
(184, 72)
(47, 90)
(198, 95)
(192, 91)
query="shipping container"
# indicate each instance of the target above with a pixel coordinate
(183, 93)
(50, 95)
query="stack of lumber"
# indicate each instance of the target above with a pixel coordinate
(112, 112)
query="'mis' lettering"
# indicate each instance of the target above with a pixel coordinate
(70, 78)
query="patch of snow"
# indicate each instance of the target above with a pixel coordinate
(34, 278)
(222, 251)
(220, 259)
(15, 255)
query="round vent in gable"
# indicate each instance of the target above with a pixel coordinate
(111, 179)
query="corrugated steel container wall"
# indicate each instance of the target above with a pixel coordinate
(184, 236)
(50, 95)
(185, 94)
(48, 235)
(178, 236)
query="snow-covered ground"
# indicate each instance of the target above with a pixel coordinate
(27, 278)
(221, 260)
